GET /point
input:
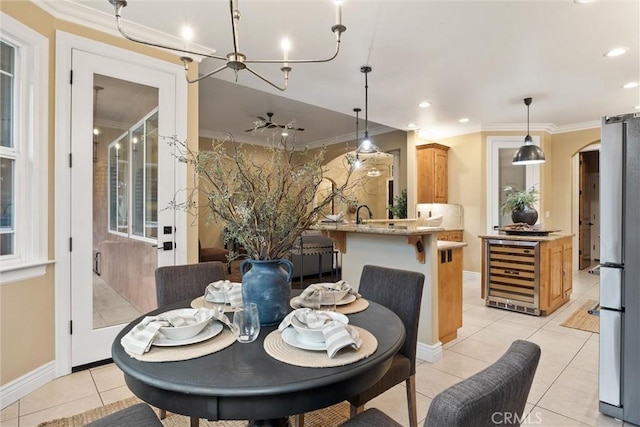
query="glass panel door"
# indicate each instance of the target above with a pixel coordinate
(125, 176)
(502, 173)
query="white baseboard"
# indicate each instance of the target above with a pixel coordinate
(28, 383)
(429, 353)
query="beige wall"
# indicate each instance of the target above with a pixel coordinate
(372, 193)
(26, 346)
(468, 181)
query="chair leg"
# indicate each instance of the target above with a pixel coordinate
(411, 401)
(298, 420)
(162, 414)
(355, 410)
(195, 422)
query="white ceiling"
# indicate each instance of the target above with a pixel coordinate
(475, 59)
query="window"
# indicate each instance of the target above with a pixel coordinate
(133, 180)
(8, 152)
(23, 151)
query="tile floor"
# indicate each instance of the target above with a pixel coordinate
(109, 307)
(564, 391)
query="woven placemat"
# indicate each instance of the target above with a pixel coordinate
(275, 347)
(357, 306)
(200, 302)
(185, 352)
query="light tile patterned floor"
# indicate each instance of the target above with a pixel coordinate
(564, 392)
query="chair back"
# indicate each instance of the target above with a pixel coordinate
(180, 282)
(495, 396)
(401, 292)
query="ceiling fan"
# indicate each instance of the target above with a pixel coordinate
(268, 123)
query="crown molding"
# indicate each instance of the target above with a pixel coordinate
(298, 146)
(106, 23)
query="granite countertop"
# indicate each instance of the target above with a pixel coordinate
(443, 245)
(403, 230)
(549, 238)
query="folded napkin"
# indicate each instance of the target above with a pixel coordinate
(139, 339)
(305, 299)
(336, 334)
(224, 291)
(342, 285)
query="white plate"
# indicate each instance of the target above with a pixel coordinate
(209, 331)
(346, 300)
(292, 337)
(210, 298)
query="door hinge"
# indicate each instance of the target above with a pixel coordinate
(70, 160)
(70, 77)
(70, 244)
(70, 327)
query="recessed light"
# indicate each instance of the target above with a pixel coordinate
(463, 120)
(424, 104)
(581, 1)
(630, 85)
(637, 107)
(412, 125)
(616, 51)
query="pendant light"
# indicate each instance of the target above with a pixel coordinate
(357, 164)
(366, 146)
(528, 154)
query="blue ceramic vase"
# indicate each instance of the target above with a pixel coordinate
(268, 284)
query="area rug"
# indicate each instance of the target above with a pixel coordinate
(581, 319)
(327, 417)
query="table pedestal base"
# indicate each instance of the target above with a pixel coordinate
(272, 422)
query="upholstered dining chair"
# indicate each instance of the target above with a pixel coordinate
(401, 292)
(496, 395)
(139, 415)
(180, 282)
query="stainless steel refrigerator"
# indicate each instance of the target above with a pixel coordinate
(619, 370)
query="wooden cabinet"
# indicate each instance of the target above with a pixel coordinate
(533, 277)
(556, 276)
(449, 293)
(432, 172)
(451, 236)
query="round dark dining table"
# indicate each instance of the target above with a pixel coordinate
(242, 382)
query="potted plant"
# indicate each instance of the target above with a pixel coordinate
(265, 204)
(399, 207)
(520, 204)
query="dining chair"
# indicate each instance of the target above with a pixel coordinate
(181, 282)
(494, 396)
(401, 292)
(139, 415)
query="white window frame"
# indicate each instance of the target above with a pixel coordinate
(31, 147)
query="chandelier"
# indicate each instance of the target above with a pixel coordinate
(236, 60)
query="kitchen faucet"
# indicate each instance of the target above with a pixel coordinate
(358, 220)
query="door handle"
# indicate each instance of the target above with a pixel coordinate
(166, 246)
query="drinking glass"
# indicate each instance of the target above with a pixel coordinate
(246, 323)
(327, 300)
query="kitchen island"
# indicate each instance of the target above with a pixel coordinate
(527, 273)
(403, 247)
